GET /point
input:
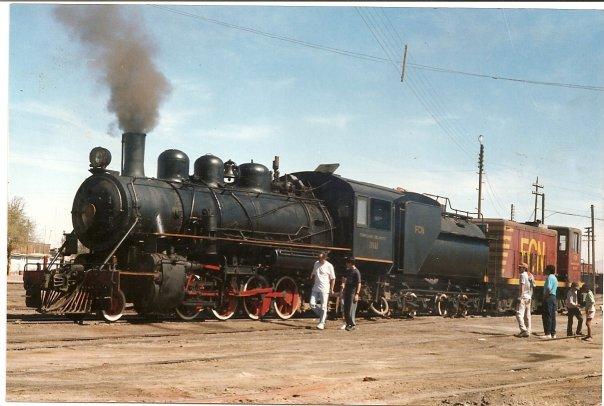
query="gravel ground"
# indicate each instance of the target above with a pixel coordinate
(424, 361)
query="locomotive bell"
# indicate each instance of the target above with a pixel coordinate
(230, 170)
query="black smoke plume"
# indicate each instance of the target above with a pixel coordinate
(122, 53)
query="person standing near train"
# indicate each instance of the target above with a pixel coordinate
(350, 293)
(525, 298)
(323, 277)
(572, 306)
(550, 305)
(590, 309)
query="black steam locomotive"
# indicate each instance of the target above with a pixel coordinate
(232, 235)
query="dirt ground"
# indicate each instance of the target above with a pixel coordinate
(424, 361)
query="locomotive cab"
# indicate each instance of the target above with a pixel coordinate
(568, 266)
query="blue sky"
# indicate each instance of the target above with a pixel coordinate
(243, 96)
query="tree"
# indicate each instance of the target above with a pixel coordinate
(21, 229)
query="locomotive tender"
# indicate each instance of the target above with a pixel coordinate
(233, 235)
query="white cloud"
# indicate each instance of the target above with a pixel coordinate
(339, 121)
(188, 86)
(420, 122)
(175, 122)
(57, 118)
(242, 132)
(47, 165)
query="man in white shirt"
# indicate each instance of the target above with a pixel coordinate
(525, 296)
(323, 277)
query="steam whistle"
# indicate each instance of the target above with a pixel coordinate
(276, 168)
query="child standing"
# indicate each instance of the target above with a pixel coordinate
(590, 309)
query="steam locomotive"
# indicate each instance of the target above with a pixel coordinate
(238, 235)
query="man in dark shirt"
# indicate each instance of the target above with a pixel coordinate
(352, 289)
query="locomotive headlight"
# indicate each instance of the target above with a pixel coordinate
(100, 157)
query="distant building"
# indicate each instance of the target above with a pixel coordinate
(28, 253)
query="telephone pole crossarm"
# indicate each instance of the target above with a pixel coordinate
(537, 194)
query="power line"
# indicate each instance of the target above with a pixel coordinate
(363, 56)
(377, 40)
(496, 77)
(493, 193)
(425, 92)
(414, 88)
(572, 214)
(339, 51)
(421, 84)
(585, 192)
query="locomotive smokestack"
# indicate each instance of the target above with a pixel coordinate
(133, 154)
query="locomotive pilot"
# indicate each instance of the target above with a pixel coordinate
(323, 277)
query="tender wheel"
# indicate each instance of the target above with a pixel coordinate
(116, 311)
(381, 308)
(504, 306)
(410, 304)
(463, 306)
(286, 306)
(187, 313)
(440, 305)
(253, 305)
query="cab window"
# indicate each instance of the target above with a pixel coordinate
(380, 214)
(362, 211)
(562, 243)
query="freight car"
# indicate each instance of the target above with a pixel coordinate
(238, 235)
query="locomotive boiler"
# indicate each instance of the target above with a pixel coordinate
(179, 241)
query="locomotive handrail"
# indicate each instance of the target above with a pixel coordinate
(241, 231)
(313, 234)
(57, 254)
(456, 212)
(251, 241)
(240, 203)
(273, 210)
(135, 204)
(120, 242)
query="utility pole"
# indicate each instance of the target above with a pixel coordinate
(588, 230)
(537, 194)
(404, 64)
(542, 208)
(480, 169)
(512, 212)
(593, 249)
